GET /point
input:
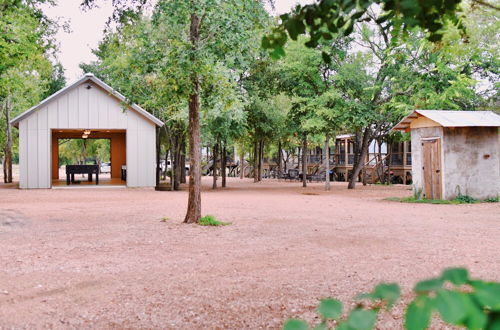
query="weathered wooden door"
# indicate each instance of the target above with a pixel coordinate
(431, 156)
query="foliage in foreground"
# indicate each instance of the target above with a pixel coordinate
(210, 220)
(457, 299)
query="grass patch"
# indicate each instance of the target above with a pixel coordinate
(310, 193)
(460, 199)
(420, 201)
(492, 200)
(164, 219)
(210, 220)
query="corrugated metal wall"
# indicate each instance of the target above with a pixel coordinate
(83, 108)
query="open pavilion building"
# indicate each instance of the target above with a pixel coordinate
(87, 107)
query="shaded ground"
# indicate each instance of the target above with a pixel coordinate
(101, 257)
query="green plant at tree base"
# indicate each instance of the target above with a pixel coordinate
(465, 199)
(209, 220)
(492, 199)
(459, 300)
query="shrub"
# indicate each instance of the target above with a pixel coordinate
(209, 220)
(465, 199)
(492, 200)
(458, 300)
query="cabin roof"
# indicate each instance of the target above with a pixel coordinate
(452, 118)
(86, 78)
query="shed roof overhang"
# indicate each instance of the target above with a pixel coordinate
(87, 77)
(451, 118)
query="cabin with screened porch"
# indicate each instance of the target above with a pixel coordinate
(383, 160)
(454, 152)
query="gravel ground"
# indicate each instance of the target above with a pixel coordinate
(101, 258)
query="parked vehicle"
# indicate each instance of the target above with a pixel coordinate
(105, 168)
(169, 166)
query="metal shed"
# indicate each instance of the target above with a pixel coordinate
(87, 105)
(454, 152)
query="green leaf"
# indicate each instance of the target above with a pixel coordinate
(360, 319)
(326, 58)
(295, 27)
(388, 292)
(295, 324)
(494, 322)
(418, 314)
(278, 53)
(343, 326)
(330, 308)
(451, 306)
(477, 318)
(384, 17)
(487, 294)
(457, 276)
(428, 285)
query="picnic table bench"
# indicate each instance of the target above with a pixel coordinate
(71, 170)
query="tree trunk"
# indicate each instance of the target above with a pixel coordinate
(214, 166)
(7, 161)
(379, 166)
(261, 158)
(389, 163)
(326, 160)
(285, 163)
(242, 163)
(280, 172)
(298, 158)
(176, 161)
(304, 161)
(255, 161)
(359, 157)
(223, 165)
(166, 165)
(193, 213)
(183, 160)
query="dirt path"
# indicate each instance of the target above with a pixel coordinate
(101, 258)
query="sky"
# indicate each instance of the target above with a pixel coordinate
(87, 30)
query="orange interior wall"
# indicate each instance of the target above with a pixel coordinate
(55, 157)
(118, 154)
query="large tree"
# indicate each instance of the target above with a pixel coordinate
(198, 36)
(26, 69)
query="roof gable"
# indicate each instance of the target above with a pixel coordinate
(452, 118)
(89, 77)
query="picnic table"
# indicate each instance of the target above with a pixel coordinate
(71, 170)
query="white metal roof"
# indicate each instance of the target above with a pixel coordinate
(452, 118)
(98, 82)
